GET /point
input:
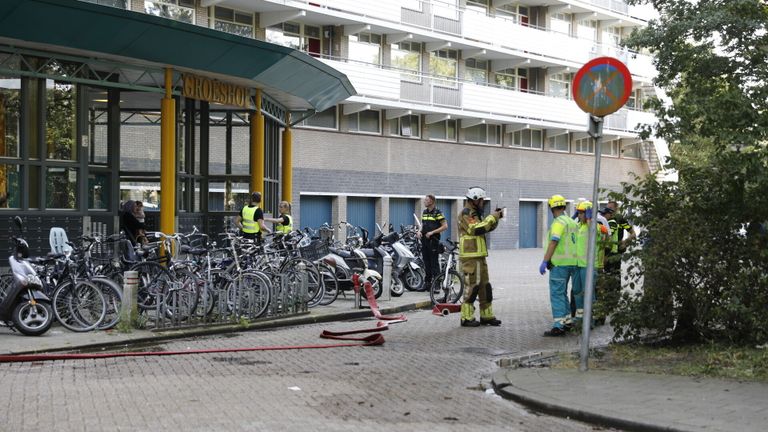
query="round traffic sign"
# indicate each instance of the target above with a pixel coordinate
(602, 86)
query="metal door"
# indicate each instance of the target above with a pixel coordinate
(528, 224)
(315, 211)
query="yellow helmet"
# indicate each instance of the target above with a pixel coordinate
(557, 201)
(584, 205)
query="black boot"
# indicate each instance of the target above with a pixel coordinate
(490, 321)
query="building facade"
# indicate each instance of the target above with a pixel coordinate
(450, 94)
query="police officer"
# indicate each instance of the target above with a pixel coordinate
(251, 219)
(472, 253)
(432, 224)
(284, 222)
(560, 259)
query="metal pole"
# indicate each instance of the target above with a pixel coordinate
(596, 131)
(129, 307)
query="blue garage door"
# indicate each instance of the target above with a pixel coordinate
(445, 207)
(315, 211)
(528, 226)
(362, 212)
(401, 212)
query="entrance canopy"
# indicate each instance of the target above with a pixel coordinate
(292, 78)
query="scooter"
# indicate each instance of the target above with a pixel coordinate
(23, 306)
(404, 264)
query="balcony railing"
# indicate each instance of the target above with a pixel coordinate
(480, 99)
(501, 30)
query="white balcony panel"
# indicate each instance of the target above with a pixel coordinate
(645, 12)
(386, 10)
(369, 80)
(505, 33)
(641, 65)
(639, 117)
(507, 102)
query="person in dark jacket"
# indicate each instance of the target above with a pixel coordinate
(132, 221)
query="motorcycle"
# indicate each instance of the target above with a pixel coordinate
(23, 305)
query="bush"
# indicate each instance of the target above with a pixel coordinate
(700, 271)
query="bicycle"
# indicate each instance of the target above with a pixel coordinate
(448, 286)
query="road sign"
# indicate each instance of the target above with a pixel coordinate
(602, 86)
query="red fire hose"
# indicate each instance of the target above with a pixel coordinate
(370, 340)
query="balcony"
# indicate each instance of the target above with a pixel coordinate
(381, 84)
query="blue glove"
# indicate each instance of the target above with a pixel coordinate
(588, 213)
(543, 267)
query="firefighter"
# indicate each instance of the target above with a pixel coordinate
(560, 260)
(472, 253)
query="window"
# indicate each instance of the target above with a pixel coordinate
(610, 148)
(631, 150)
(515, 79)
(560, 85)
(528, 138)
(60, 121)
(324, 119)
(10, 109)
(234, 22)
(584, 145)
(120, 4)
(560, 23)
(407, 56)
(517, 13)
(558, 143)
(612, 36)
(406, 126)
(286, 34)
(365, 47)
(60, 187)
(368, 121)
(587, 29)
(178, 10)
(10, 185)
(483, 133)
(476, 70)
(478, 5)
(443, 63)
(443, 130)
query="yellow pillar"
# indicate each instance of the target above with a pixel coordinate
(168, 157)
(286, 179)
(257, 147)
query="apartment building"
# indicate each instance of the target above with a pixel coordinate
(449, 94)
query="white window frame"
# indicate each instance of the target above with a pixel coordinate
(234, 20)
(368, 39)
(552, 142)
(639, 151)
(497, 134)
(612, 36)
(516, 75)
(445, 124)
(357, 116)
(304, 123)
(177, 4)
(517, 139)
(587, 24)
(408, 47)
(565, 19)
(472, 65)
(584, 146)
(613, 147)
(399, 124)
(565, 80)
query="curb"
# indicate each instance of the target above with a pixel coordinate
(301, 319)
(506, 389)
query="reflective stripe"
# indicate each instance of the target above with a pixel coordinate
(250, 226)
(473, 246)
(285, 228)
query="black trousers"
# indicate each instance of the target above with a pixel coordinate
(431, 256)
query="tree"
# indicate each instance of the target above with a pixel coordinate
(704, 258)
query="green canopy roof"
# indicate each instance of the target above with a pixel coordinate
(291, 77)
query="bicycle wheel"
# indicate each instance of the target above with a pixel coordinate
(183, 296)
(113, 295)
(447, 291)
(154, 284)
(79, 306)
(314, 281)
(248, 295)
(330, 284)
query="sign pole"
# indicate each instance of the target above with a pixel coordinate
(601, 87)
(596, 131)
